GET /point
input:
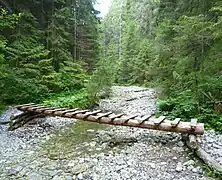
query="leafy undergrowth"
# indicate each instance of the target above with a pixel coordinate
(70, 99)
(185, 106)
(2, 108)
(211, 172)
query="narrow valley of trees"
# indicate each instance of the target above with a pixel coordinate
(61, 53)
(171, 45)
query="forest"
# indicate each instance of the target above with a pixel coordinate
(61, 53)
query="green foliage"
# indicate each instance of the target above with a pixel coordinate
(19, 90)
(42, 49)
(101, 81)
(175, 45)
(184, 105)
(72, 75)
(70, 99)
(181, 105)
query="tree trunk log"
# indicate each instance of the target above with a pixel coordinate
(193, 144)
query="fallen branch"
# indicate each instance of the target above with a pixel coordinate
(193, 144)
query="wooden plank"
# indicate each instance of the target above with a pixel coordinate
(144, 118)
(70, 110)
(35, 108)
(130, 117)
(175, 122)
(116, 116)
(91, 113)
(74, 113)
(43, 109)
(159, 120)
(19, 106)
(60, 113)
(103, 115)
(54, 110)
(23, 108)
(193, 123)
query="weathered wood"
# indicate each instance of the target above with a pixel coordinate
(116, 116)
(103, 115)
(70, 115)
(29, 106)
(175, 122)
(159, 120)
(159, 124)
(207, 159)
(193, 123)
(23, 120)
(54, 110)
(91, 113)
(192, 142)
(19, 119)
(18, 116)
(143, 119)
(130, 117)
(32, 108)
(24, 105)
(41, 110)
(60, 113)
(183, 127)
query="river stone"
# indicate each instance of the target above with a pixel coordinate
(56, 177)
(92, 144)
(188, 163)
(195, 170)
(152, 165)
(80, 176)
(15, 171)
(179, 167)
(68, 178)
(79, 168)
(180, 144)
(34, 176)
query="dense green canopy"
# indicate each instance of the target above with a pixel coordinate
(53, 46)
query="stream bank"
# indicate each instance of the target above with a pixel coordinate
(57, 148)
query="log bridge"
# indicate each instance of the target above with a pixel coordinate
(31, 111)
(191, 129)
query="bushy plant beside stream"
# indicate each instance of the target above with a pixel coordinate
(185, 106)
(70, 99)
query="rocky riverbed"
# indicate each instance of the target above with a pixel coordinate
(58, 148)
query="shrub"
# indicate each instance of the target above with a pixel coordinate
(70, 99)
